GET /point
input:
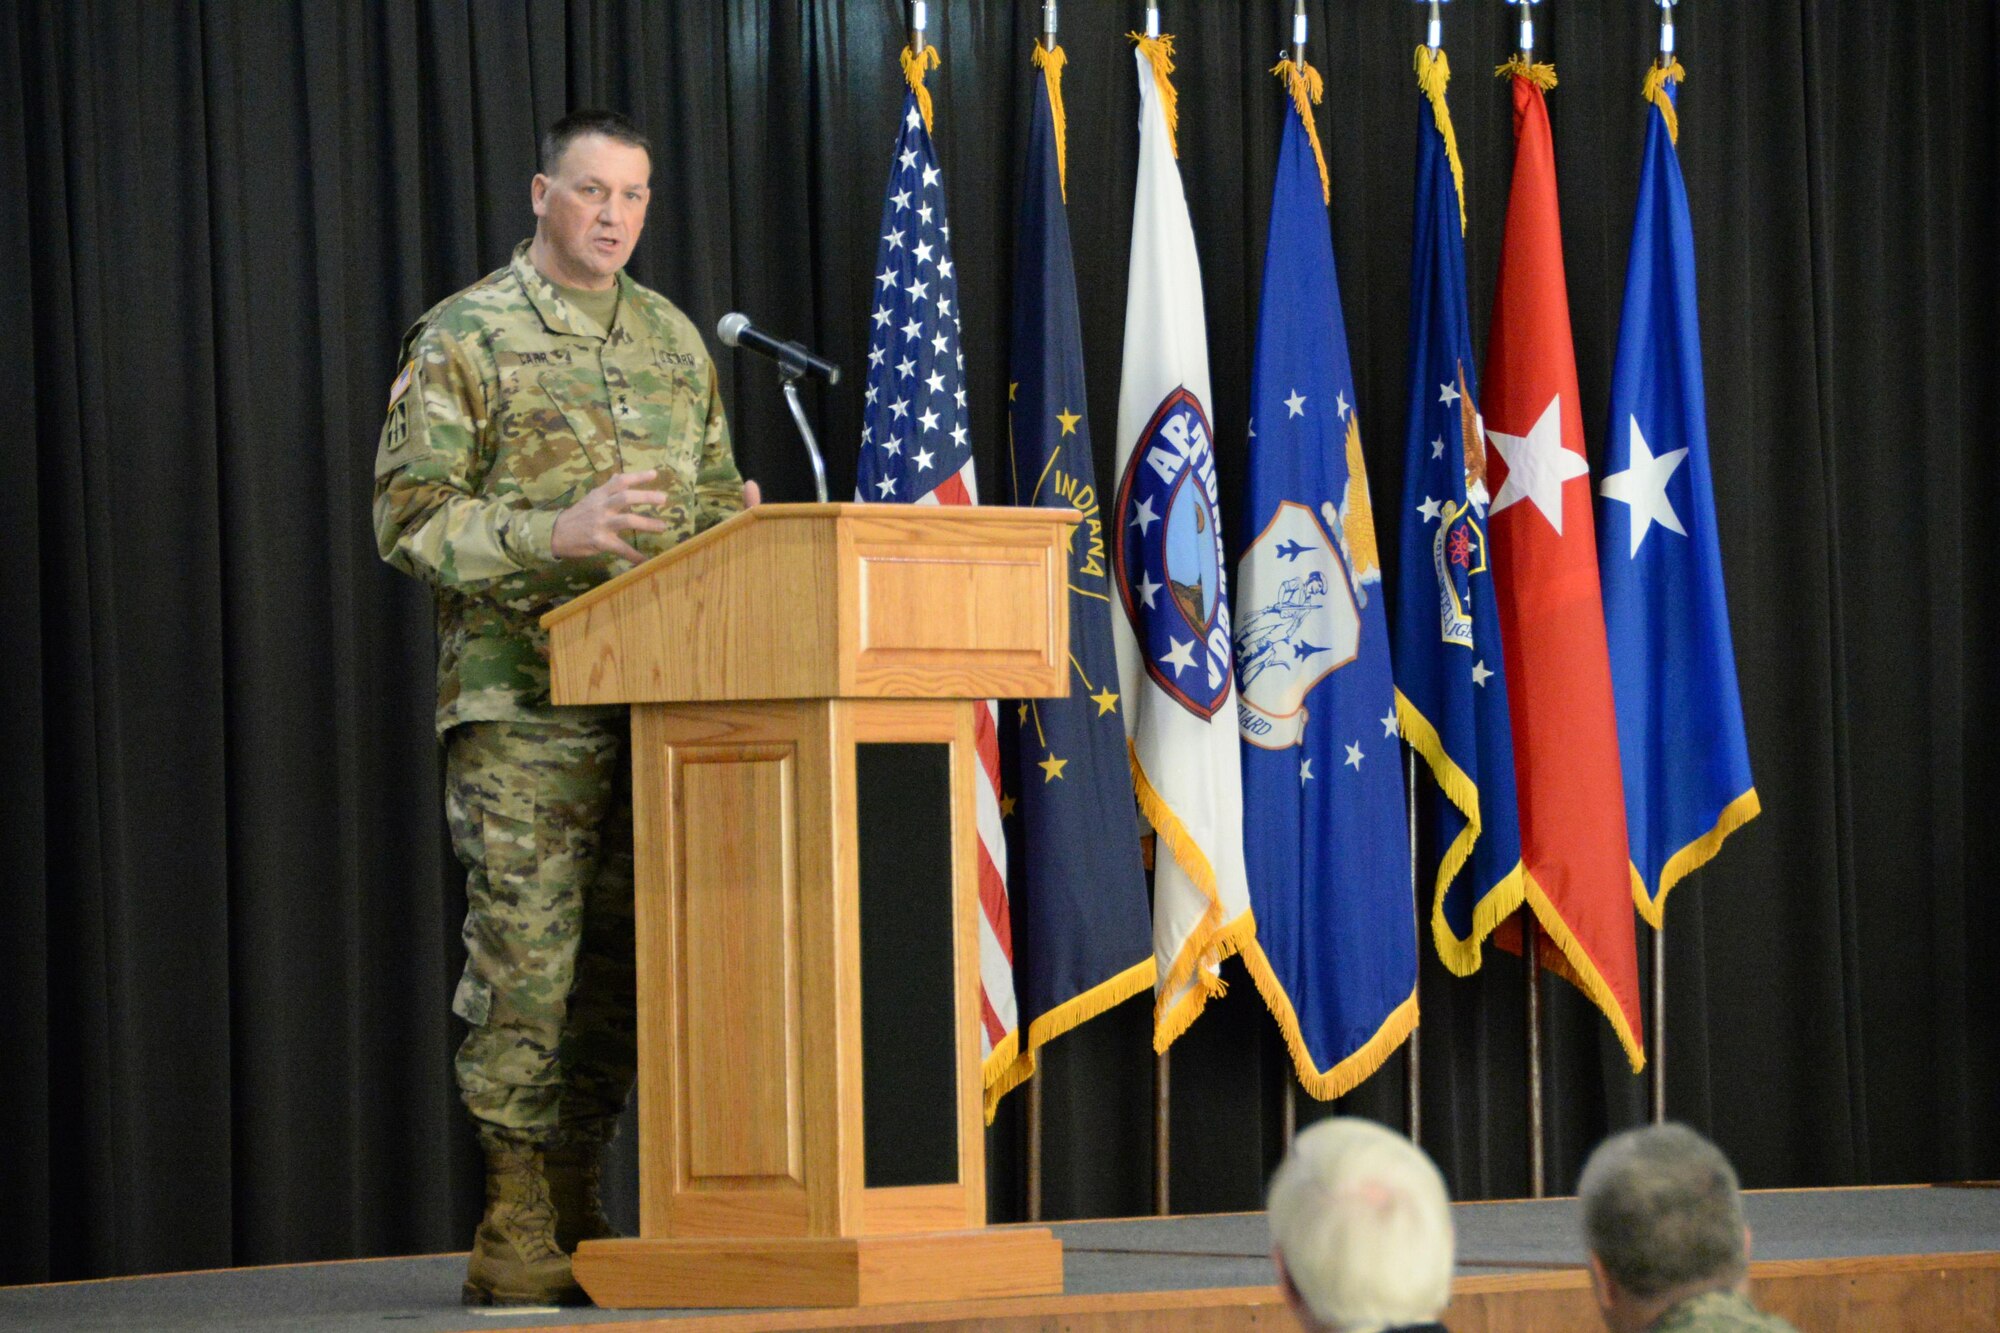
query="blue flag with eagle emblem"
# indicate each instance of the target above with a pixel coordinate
(1673, 666)
(1335, 955)
(1082, 923)
(1451, 681)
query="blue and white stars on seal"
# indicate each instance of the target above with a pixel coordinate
(1168, 543)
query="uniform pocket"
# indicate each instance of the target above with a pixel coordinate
(585, 405)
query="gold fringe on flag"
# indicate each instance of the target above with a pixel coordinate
(1580, 970)
(1006, 1069)
(1543, 76)
(914, 65)
(1693, 857)
(1306, 88)
(1050, 63)
(1345, 1075)
(1160, 50)
(1655, 91)
(1182, 846)
(1462, 956)
(1433, 73)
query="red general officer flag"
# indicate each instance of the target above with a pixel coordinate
(1544, 548)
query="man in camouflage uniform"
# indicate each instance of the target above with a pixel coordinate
(542, 417)
(1669, 1251)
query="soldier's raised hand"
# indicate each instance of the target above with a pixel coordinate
(592, 525)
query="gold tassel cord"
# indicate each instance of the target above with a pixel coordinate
(1306, 88)
(1160, 51)
(1050, 63)
(1655, 91)
(1543, 76)
(914, 65)
(1433, 74)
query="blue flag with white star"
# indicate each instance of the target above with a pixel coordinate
(1673, 666)
(1335, 955)
(1451, 681)
(1083, 934)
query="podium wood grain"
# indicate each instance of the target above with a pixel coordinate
(757, 658)
(830, 601)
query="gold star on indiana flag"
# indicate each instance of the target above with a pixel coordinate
(1006, 806)
(1069, 420)
(1106, 702)
(1052, 768)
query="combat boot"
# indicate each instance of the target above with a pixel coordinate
(575, 1167)
(515, 1258)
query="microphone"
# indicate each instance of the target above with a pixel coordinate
(736, 330)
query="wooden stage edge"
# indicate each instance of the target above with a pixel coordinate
(1875, 1292)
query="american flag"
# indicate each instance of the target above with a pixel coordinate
(916, 448)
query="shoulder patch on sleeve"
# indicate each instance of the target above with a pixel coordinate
(402, 384)
(396, 431)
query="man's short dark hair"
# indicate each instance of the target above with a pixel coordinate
(587, 121)
(1661, 1210)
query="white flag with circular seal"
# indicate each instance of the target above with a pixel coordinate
(1175, 653)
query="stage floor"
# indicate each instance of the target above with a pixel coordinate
(1217, 1261)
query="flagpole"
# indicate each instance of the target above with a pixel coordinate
(1659, 961)
(1413, 1065)
(1413, 1068)
(1035, 1121)
(1526, 42)
(1659, 1051)
(1035, 1144)
(1162, 1144)
(1531, 932)
(1288, 1111)
(1163, 1068)
(919, 20)
(1531, 973)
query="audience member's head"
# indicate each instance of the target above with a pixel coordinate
(1360, 1229)
(1662, 1221)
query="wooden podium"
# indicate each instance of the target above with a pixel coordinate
(803, 682)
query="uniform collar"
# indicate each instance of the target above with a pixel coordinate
(557, 314)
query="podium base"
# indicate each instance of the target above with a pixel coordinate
(637, 1273)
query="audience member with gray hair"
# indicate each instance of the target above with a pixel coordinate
(1361, 1231)
(1669, 1251)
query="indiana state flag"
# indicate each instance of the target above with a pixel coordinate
(1673, 669)
(1175, 665)
(1451, 678)
(1335, 955)
(1082, 924)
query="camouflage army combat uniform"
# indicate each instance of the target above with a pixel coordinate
(1719, 1312)
(511, 405)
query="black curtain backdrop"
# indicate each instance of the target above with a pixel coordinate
(230, 925)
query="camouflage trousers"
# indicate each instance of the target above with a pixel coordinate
(541, 815)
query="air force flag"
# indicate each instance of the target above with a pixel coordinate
(1451, 676)
(1673, 669)
(1172, 638)
(1335, 955)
